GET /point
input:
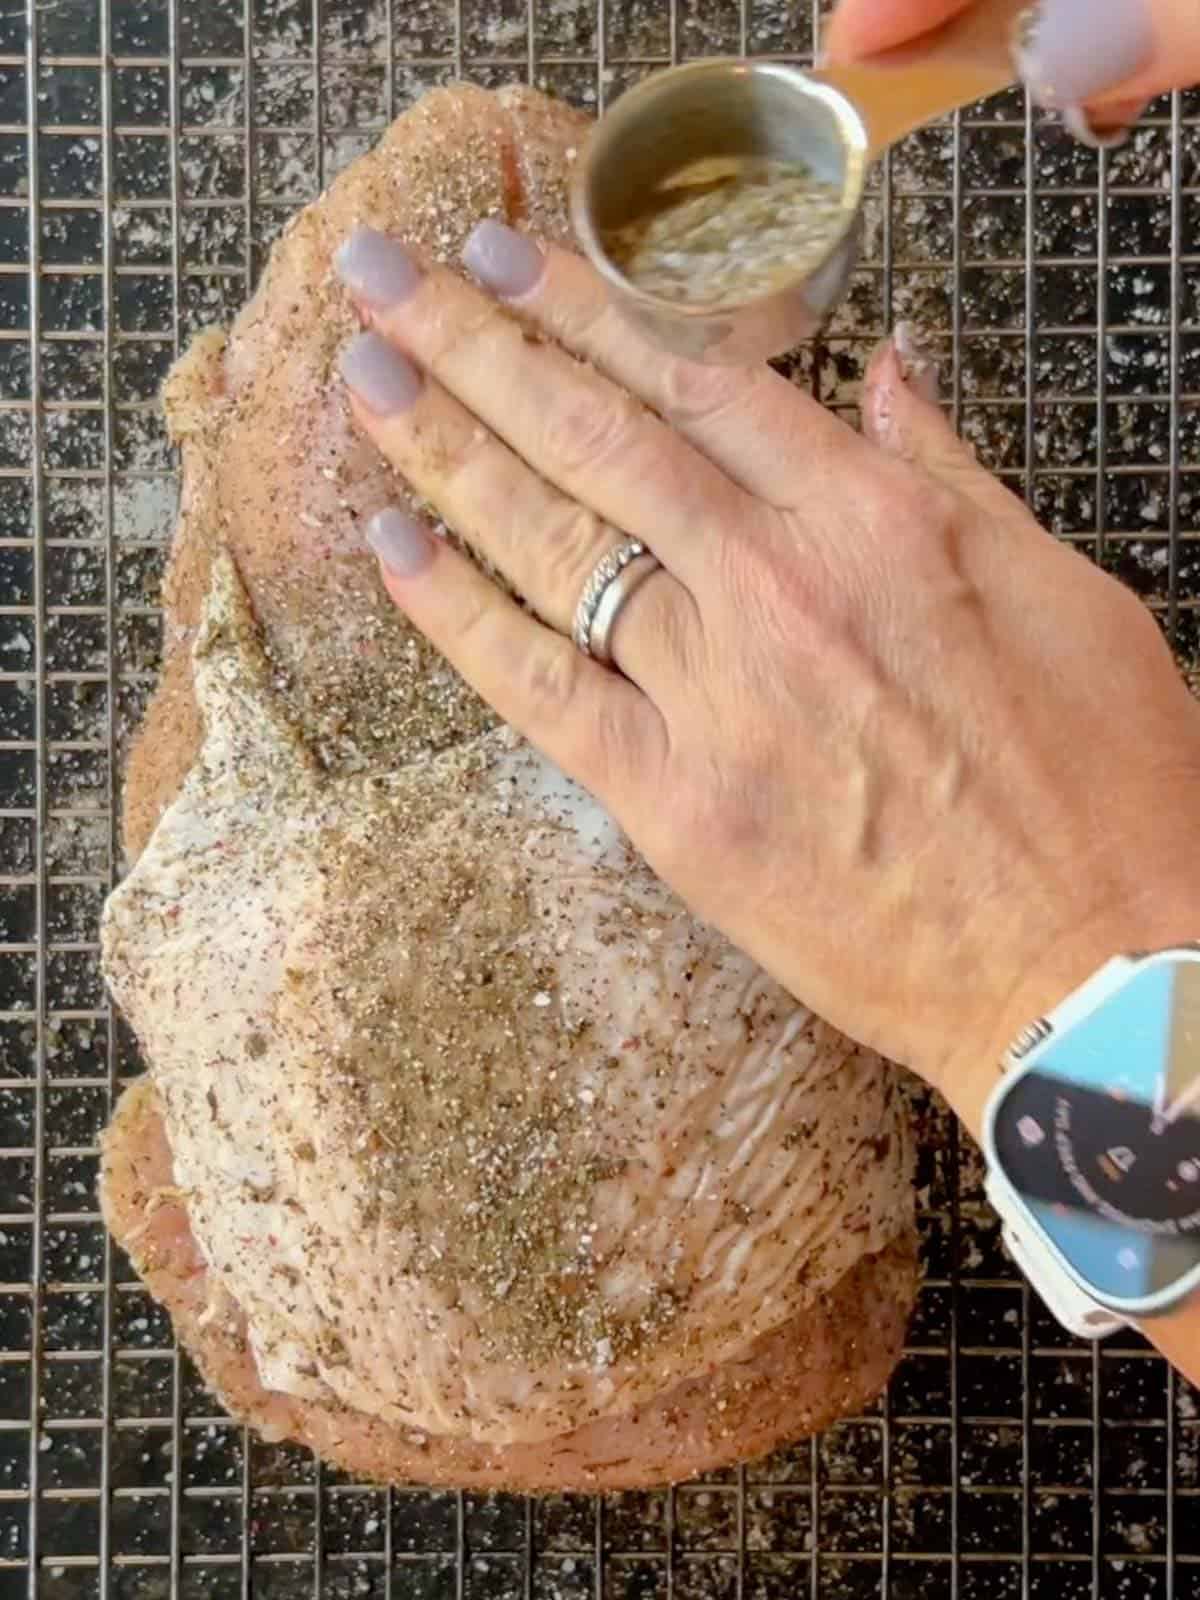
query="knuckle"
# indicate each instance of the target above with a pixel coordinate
(783, 582)
(945, 534)
(589, 429)
(452, 448)
(570, 315)
(471, 618)
(718, 809)
(459, 330)
(941, 509)
(692, 393)
(903, 504)
(590, 734)
(600, 748)
(569, 543)
(660, 611)
(550, 680)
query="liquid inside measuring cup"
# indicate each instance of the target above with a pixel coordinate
(724, 231)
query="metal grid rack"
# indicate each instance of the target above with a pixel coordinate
(149, 152)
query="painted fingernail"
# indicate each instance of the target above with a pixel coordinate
(1081, 125)
(1071, 51)
(918, 367)
(383, 379)
(503, 260)
(377, 269)
(402, 543)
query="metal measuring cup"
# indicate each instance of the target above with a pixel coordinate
(835, 121)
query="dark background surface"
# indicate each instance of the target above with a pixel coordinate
(170, 141)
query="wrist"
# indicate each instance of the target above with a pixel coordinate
(1163, 919)
(1177, 1336)
(1162, 911)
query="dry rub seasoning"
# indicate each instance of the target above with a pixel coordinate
(724, 233)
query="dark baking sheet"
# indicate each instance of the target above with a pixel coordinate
(149, 153)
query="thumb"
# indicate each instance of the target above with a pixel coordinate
(900, 414)
(900, 411)
(861, 28)
(1099, 64)
(1097, 61)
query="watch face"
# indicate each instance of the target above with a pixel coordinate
(1101, 1137)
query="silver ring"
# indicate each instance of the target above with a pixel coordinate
(612, 602)
(615, 577)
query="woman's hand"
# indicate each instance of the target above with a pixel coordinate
(1098, 61)
(930, 767)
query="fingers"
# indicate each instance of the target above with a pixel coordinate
(1099, 65)
(900, 411)
(545, 543)
(901, 414)
(593, 723)
(570, 424)
(1101, 68)
(1103, 128)
(748, 420)
(861, 28)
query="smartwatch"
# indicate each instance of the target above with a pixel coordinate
(1092, 1144)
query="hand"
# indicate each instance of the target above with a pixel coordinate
(1099, 62)
(928, 766)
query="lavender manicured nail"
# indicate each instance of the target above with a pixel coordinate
(377, 269)
(400, 541)
(1071, 51)
(381, 377)
(503, 260)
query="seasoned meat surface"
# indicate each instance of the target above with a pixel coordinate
(828, 1363)
(465, 1155)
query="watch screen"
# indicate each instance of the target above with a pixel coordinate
(1102, 1137)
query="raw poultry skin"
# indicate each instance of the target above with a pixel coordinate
(465, 1155)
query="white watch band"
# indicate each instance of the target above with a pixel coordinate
(1066, 1302)
(1050, 1272)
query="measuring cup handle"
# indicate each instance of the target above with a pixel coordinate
(968, 59)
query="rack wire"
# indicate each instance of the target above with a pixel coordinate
(150, 150)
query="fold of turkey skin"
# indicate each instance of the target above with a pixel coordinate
(480, 1131)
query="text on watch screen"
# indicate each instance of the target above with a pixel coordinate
(1102, 1138)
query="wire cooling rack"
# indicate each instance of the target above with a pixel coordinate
(150, 150)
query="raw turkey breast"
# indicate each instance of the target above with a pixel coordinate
(464, 1154)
